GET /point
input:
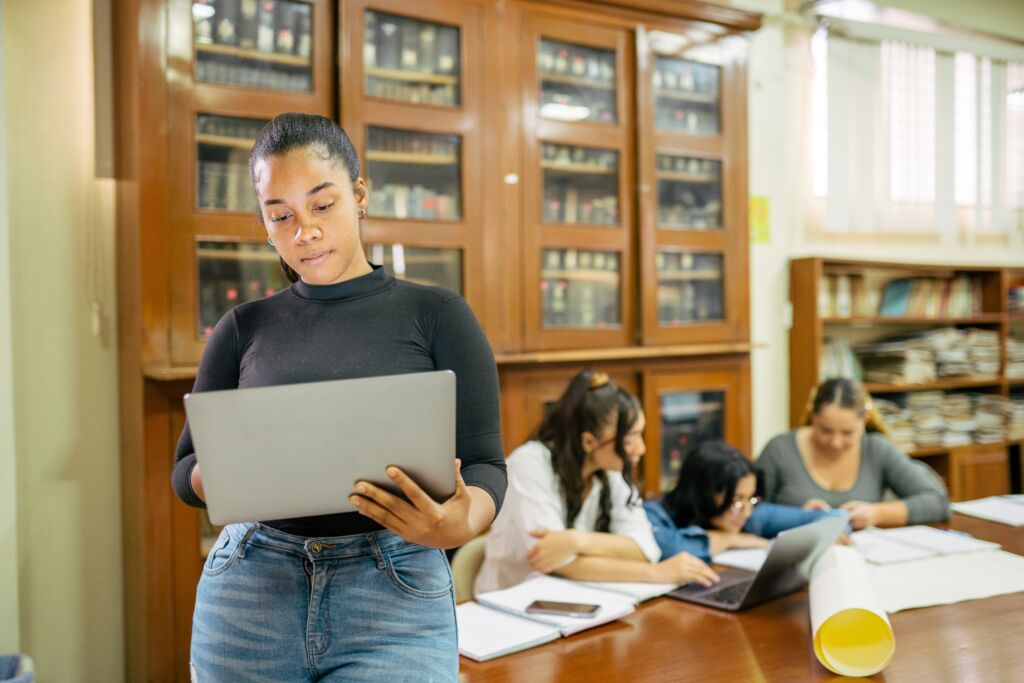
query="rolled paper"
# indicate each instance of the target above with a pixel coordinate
(852, 633)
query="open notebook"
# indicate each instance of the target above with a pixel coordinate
(497, 623)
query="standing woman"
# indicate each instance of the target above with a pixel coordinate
(362, 596)
(572, 507)
(841, 459)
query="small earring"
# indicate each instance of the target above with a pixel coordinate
(270, 241)
(362, 213)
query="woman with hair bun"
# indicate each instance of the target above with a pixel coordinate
(841, 458)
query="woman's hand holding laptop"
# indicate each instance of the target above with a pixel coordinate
(422, 520)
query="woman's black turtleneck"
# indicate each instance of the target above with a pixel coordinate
(370, 325)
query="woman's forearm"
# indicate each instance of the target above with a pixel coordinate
(589, 568)
(613, 546)
(891, 513)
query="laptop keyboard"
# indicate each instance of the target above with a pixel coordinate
(730, 595)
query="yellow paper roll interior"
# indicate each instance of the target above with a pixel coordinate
(855, 642)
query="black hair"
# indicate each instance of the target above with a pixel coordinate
(297, 130)
(713, 468)
(589, 404)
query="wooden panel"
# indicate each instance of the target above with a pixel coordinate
(980, 471)
(730, 376)
(805, 336)
(615, 136)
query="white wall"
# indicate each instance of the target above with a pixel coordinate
(65, 436)
(9, 638)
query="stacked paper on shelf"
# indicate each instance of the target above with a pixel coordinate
(958, 419)
(898, 421)
(990, 414)
(897, 362)
(984, 350)
(1014, 357)
(926, 415)
(1015, 421)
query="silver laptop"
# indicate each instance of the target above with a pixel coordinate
(786, 569)
(296, 450)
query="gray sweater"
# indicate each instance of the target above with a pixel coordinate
(883, 467)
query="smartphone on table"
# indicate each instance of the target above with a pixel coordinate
(562, 609)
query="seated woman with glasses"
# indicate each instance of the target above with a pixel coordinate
(572, 508)
(713, 507)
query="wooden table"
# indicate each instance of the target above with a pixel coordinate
(669, 640)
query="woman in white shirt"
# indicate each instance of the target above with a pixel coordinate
(572, 508)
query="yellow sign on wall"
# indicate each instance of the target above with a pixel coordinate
(760, 228)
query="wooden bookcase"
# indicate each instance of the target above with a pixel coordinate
(971, 470)
(577, 170)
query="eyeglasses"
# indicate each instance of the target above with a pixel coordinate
(736, 507)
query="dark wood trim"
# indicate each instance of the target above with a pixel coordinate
(736, 19)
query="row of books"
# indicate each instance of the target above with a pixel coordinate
(596, 159)
(709, 168)
(416, 201)
(695, 206)
(225, 185)
(229, 126)
(281, 26)
(685, 77)
(444, 94)
(580, 302)
(680, 303)
(577, 61)
(236, 71)
(400, 43)
(926, 419)
(409, 142)
(686, 117)
(565, 203)
(844, 295)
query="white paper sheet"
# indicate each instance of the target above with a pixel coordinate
(486, 633)
(997, 509)
(639, 592)
(851, 631)
(937, 540)
(517, 598)
(878, 549)
(944, 580)
(750, 559)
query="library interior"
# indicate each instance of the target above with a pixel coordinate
(772, 228)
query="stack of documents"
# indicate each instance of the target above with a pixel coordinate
(1015, 421)
(958, 419)
(984, 350)
(886, 546)
(1014, 357)
(926, 415)
(990, 413)
(898, 421)
(498, 624)
(1003, 509)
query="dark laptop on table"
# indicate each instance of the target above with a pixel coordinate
(786, 569)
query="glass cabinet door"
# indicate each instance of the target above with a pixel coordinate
(265, 44)
(231, 273)
(424, 265)
(690, 287)
(577, 82)
(580, 289)
(689, 193)
(581, 185)
(688, 418)
(686, 96)
(413, 175)
(409, 60)
(223, 144)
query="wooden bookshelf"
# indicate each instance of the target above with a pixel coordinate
(253, 55)
(971, 470)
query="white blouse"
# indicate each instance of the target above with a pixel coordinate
(534, 501)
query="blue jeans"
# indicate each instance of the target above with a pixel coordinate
(372, 607)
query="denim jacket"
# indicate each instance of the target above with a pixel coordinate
(767, 520)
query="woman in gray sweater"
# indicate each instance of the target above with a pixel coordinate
(841, 459)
